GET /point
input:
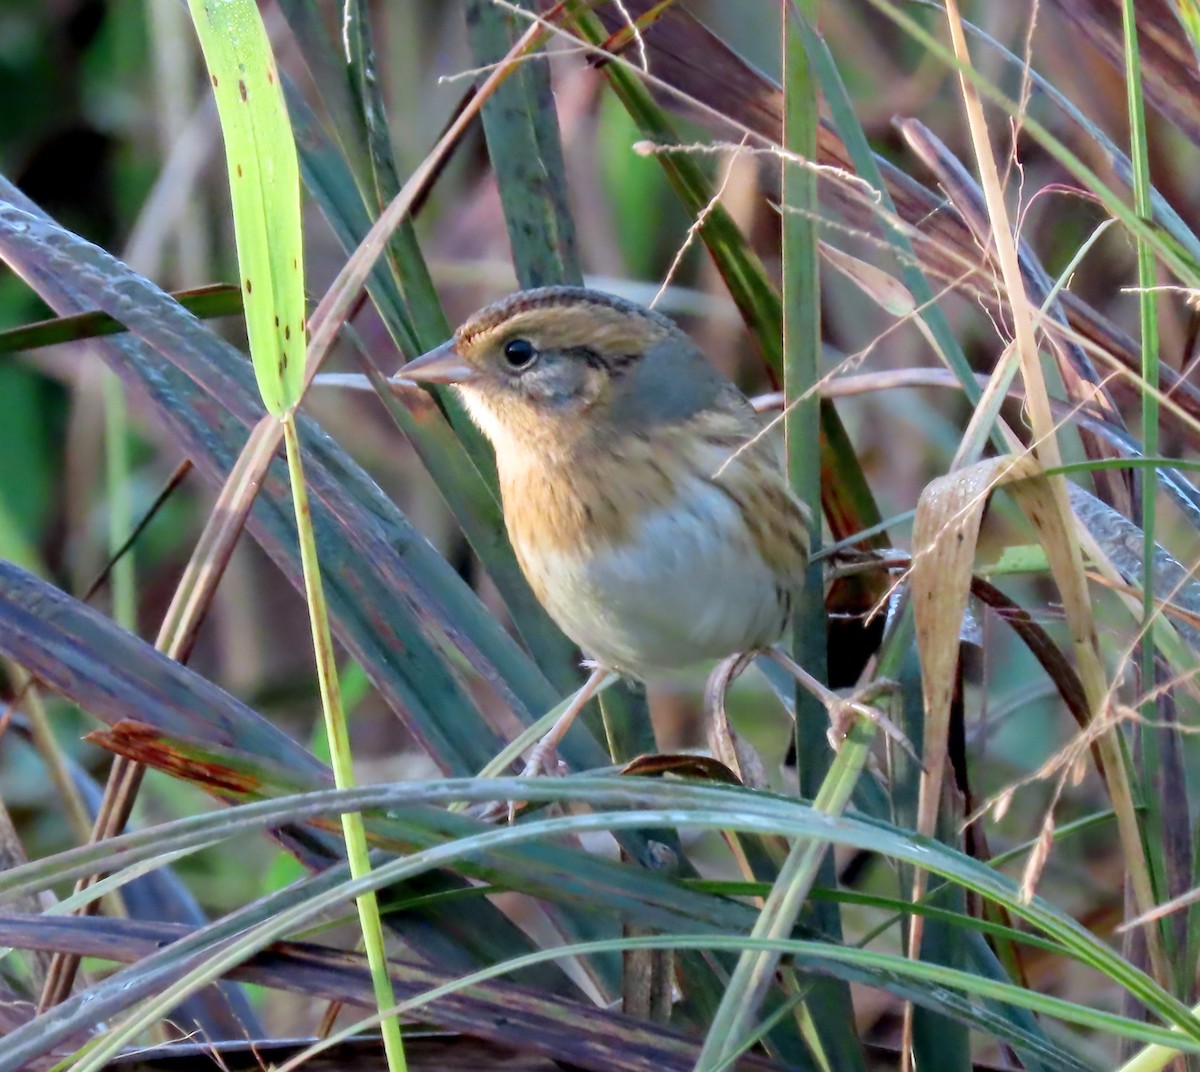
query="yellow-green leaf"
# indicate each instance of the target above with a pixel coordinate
(264, 180)
(1025, 558)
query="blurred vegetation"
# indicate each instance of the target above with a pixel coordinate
(108, 127)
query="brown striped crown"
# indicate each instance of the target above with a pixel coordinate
(565, 319)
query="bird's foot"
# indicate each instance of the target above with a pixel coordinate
(543, 759)
(846, 711)
(543, 762)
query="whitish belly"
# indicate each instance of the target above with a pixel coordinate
(687, 588)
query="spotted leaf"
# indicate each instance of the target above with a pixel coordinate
(264, 180)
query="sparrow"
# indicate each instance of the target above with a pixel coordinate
(647, 511)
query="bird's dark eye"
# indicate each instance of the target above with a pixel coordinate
(519, 354)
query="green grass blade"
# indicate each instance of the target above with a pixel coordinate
(340, 753)
(866, 167)
(802, 368)
(691, 805)
(521, 127)
(1152, 770)
(404, 256)
(218, 299)
(264, 181)
(727, 1035)
(330, 77)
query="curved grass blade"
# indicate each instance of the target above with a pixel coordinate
(315, 971)
(572, 1032)
(950, 993)
(692, 805)
(719, 807)
(727, 1035)
(161, 896)
(532, 871)
(116, 676)
(82, 654)
(264, 795)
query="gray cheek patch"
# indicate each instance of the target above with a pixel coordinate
(672, 382)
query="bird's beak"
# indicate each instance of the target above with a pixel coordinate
(441, 365)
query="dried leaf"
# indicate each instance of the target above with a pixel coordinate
(881, 287)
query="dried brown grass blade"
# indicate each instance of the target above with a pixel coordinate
(1045, 502)
(945, 535)
(1079, 377)
(881, 287)
(724, 742)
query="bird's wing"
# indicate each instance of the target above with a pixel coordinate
(741, 459)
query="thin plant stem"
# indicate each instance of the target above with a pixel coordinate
(1150, 813)
(339, 749)
(120, 501)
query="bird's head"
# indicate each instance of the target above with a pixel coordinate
(545, 368)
